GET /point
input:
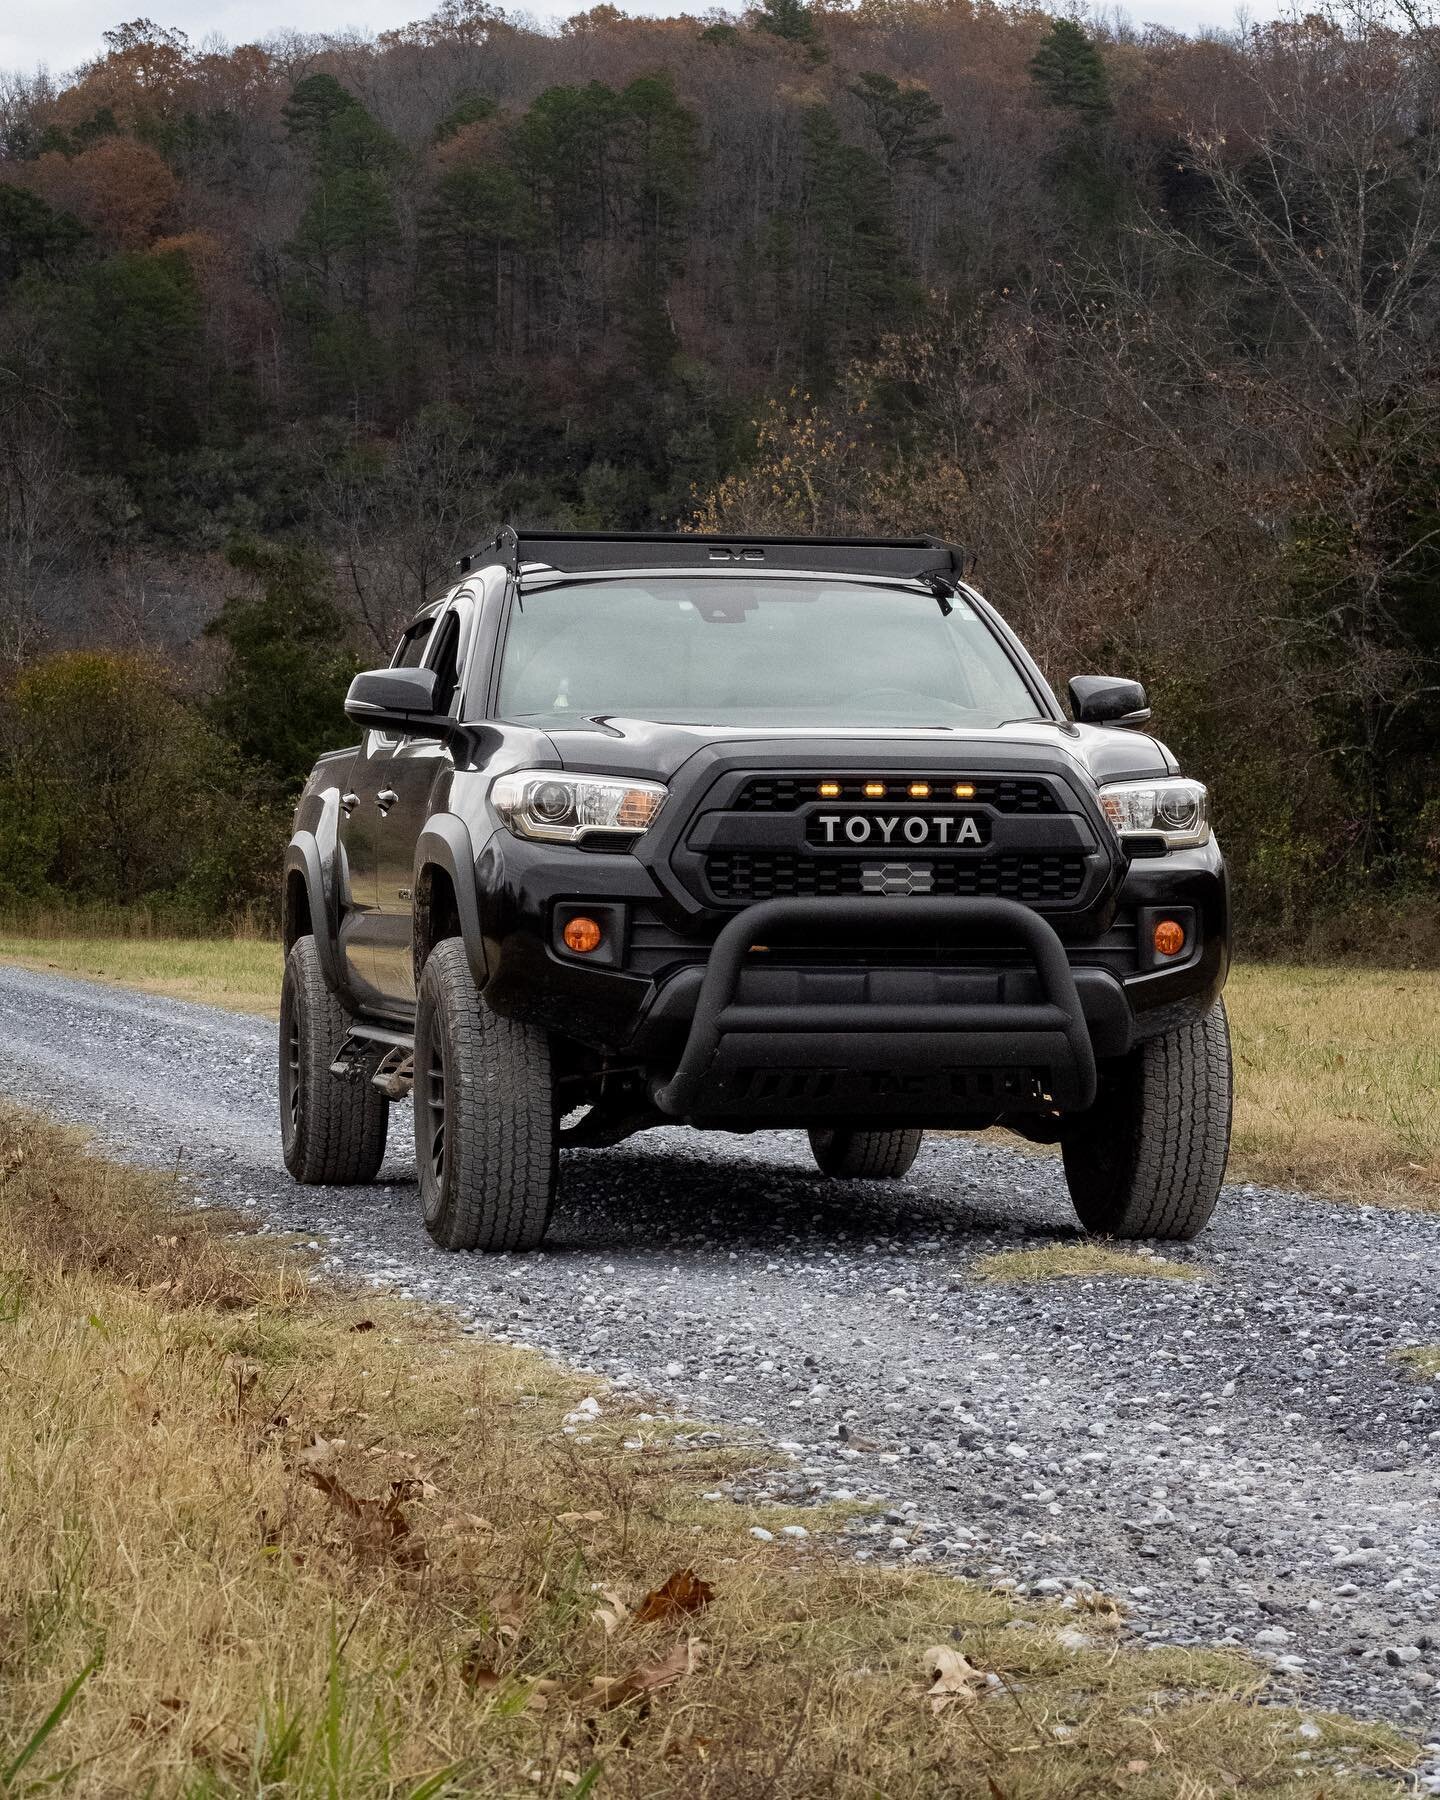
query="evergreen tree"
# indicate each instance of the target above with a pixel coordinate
(905, 118)
(791, 20)
(1069, 72)
(286, 668)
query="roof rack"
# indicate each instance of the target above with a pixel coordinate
(586, 552)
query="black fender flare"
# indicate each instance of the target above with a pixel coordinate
(445, 844)
(302, 857)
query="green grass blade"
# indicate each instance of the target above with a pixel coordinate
(42, 1731)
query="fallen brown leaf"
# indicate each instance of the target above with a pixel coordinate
(952, 1677)
(509, 1613)
(683, 1660)
(683, 1592)
(579, 1518)
(614, 1613)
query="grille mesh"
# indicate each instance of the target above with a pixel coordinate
(783, 793)
(1035, 878)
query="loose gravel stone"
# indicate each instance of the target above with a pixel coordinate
(1238, 1457)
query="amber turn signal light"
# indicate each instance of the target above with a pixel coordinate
(1169, 937)
(581, 935)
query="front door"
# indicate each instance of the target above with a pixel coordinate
(359, 832)
(414, 774)
(364, 807)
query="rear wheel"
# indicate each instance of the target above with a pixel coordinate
(1148, 1159)
(486, 1135)
(332, 1127)
(864, 1155)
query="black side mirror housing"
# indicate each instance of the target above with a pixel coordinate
(401, 700)
(1107, 700)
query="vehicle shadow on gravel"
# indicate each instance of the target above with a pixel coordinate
(610, 1198)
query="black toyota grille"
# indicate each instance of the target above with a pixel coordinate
(1035, 878)
(783, 793)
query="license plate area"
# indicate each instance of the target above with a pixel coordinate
(882, 830)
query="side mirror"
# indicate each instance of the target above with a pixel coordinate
(400, 700)
(1107, 700)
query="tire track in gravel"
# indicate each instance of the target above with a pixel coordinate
(1237, 1457)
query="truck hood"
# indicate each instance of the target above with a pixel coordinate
(642, 748)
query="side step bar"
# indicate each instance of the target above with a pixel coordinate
(394, 1075)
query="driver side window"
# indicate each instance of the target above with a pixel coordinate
(444, 659)
(410, 652)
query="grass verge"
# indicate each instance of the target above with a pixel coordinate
(1336, 1072)
(1084, 1259)
(241, 973)
(1423, 1360)
(264, 1537)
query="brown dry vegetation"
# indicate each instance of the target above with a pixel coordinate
(1336, 1073)
(1084, 1259)
(267, 1537)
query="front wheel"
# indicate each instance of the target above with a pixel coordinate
(864, 1155)
(486, 1134)
(1148, 1158)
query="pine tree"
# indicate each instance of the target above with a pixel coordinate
(904, 117)
(1069, 72)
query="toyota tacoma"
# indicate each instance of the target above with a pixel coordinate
(743, 833)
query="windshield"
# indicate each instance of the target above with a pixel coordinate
(724, 650)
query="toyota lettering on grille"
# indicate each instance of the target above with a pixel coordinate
(936, 830)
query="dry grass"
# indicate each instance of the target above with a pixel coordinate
(264, 1538)
(1336, 1073)
(242, 973)
(1423, 1359)
(1084, 1258)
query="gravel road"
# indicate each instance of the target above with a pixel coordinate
(1238, 1457)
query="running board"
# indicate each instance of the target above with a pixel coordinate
(394, 1074)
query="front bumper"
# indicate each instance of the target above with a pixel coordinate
(899, 1007)
(755, 1050)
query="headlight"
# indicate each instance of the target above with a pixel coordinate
(1177, 809)
(564, 809)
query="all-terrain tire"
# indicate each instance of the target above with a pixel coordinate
(864, 1155)
(486, 1131)
(1148, 1158)
(332, 1127)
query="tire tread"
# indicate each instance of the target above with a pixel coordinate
(340, 1138)
(500, 1128)
(865, 1155)
(1149, 1159)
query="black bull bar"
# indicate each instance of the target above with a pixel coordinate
(732, 1039)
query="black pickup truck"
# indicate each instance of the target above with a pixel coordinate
(743, 833)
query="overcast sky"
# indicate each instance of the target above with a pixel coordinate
(63, 33)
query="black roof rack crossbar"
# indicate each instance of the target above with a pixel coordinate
(586, 552)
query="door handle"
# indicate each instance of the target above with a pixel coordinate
(348, 803)
(386, 798)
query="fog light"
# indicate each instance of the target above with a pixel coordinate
(581, 935)
(1169, 937)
